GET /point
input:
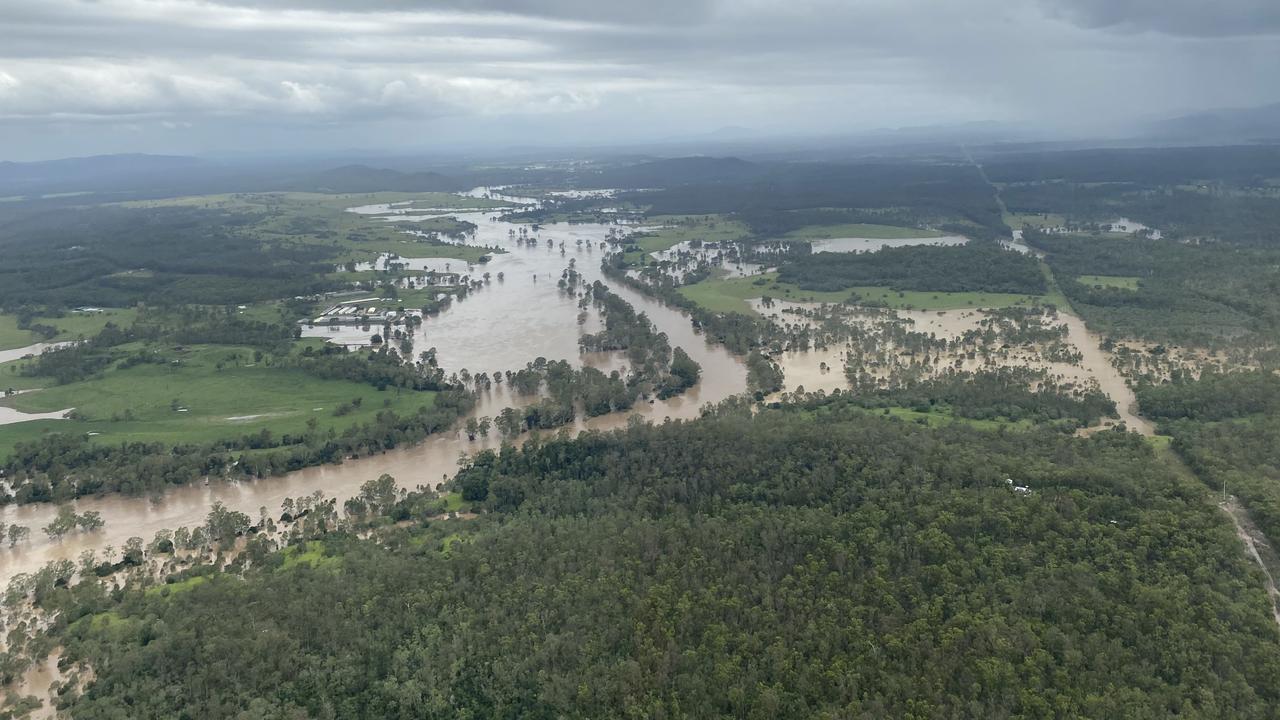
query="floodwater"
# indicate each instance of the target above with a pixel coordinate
(440, 265)
(1125, 225)
(19, 353)
(804, 369)
(1098, 363)
(713, 255)
(9, 416)
(859, 245)
(1017, 245)
(38, 682)
(501, 326)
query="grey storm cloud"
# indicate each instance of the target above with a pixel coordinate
(1192, 18)
(209, 73)
(658, 12)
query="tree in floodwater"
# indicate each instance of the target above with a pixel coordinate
(18, 533)
(67, 520)
(223, 525)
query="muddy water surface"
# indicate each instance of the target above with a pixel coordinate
(859, 245)
(501, 326)
(19, 353)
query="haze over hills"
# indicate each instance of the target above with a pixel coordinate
(1238, 125)
(1256, 125)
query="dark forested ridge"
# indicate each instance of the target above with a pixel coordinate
(809, 562)
(1159, 165)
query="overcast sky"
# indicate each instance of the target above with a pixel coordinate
(188, 76)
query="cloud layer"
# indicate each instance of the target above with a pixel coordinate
(219, 74)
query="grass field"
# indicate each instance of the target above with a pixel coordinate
(732, 294)
(1037, 220)
(194, 401)
(70, 327)
(11, 337)
(942, 415)
(408, 248)
(310, 554)
(679, 228)
(11, 379)
(1123, 282)
(1054, 296)
(859, 230)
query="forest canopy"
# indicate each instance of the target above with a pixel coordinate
(817, 563)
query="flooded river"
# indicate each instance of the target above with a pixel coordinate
(501, 326)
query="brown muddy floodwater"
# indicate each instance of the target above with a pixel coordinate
(502, 326)
(19, 353)
(803, 369)
(1098, 363)
(861, 245)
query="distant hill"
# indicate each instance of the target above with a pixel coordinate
(97, 172)
(1255, 124)
(679, 171)
(362, 178)
(74, 180)
(1153, 165)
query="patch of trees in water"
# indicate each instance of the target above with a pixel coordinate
(1006, 394)
(737, 332)
(656, 369)
(973, 267)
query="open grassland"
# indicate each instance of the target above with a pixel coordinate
(13, 337)
(1054, 297)
(860, 230)
(942, 415)
(1123, 282)
(1036, 220)
(211, 392)
(732, 294)
(71, 326)
(680, 228)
